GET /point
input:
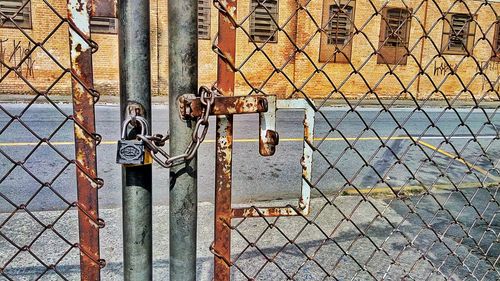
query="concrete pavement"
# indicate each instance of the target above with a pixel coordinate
(344, 234)
(394, 245)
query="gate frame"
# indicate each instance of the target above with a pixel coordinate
(84, 97)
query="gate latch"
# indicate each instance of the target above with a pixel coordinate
(191, 108)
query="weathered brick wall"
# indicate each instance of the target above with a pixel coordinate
(288, 67)
(375, 77)
(39, 71)
(258, 67)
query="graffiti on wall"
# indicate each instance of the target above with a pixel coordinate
(442, 68)
(13, 53)
(489, 67)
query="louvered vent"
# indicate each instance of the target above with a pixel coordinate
(460, 28)
(103, 25)
(262, 26)
(396, 27)
(339, 25)
(11, 8)
(203, 19)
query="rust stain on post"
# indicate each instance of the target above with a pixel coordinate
(85, 144)
(224, 145)
(247, 212)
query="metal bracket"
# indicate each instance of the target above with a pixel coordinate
(268, 137)
(191, 107)
(268, 124)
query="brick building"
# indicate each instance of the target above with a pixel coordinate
(346, 46)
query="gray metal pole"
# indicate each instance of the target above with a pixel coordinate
(135, 92)
(183, 75)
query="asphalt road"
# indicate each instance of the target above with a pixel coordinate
(349, 156)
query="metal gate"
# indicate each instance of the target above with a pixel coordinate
(38, 240)
(405, 177)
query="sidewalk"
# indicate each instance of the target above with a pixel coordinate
(22, 229)
(340, 239)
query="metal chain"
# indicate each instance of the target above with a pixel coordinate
(154, 142)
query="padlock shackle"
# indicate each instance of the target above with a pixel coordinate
(140, 119)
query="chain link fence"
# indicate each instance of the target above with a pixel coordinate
(49, 223)
(406, 140)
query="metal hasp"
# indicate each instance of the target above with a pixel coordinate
(269, 124)
(135, 101)
(84, 98)
(191, 107)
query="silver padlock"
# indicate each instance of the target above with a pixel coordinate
(131, 152)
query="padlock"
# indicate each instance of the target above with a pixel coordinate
(131, 152)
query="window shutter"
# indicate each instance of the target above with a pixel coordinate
(394, 36)
(471, 36)
(204, 19)
(262, 26)
(339, 26)
(458, 34)
(11, 8)
(383, 26)
(497, 41)
(446, 32)
(396, 24)
(336, 42)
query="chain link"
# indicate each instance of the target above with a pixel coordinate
(154, 142)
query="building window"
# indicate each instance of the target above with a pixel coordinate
(394, 36)
(458, 34)
(496, 42)
(103, 25)
(336, 38)
(204, 19)
(262, 20)
(18, 10)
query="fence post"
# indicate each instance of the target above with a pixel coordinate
(135, 94)
(183, 79)
(82, 84)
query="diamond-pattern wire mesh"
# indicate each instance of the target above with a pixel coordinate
(406, 151)
(39, 206)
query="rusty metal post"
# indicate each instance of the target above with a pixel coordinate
(135, 98)
(183, 75)
(224, 144)
(85, 141)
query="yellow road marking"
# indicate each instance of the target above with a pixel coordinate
(454, 157)
(56, 143)
(347, 191)
(412, 189)
(428, 145)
